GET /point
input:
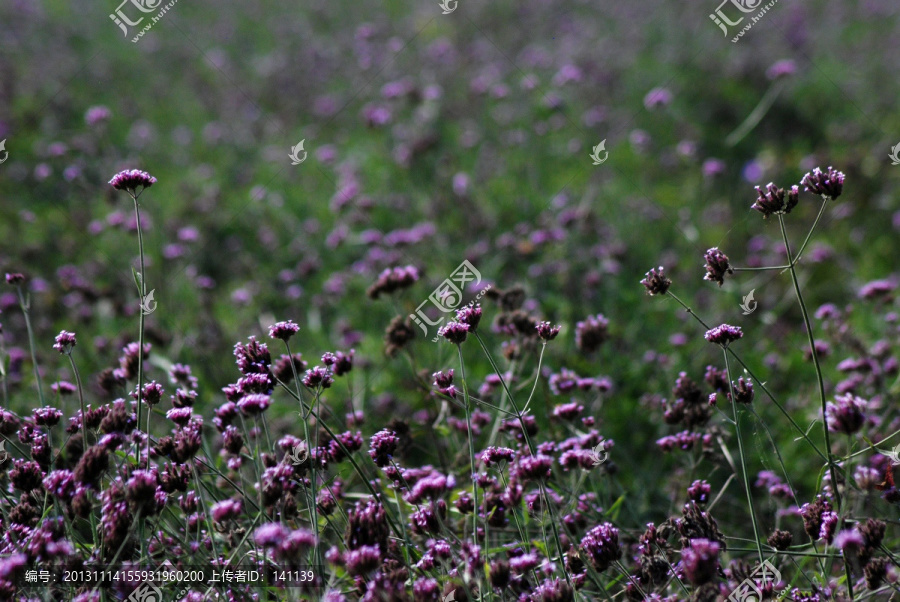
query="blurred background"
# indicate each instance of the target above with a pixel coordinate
(434, 138)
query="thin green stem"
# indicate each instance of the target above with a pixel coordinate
(755, 378)
(143, 292)
(812, 348)
(80, 399)
(810, 233)
(737, 428)
(763, 269)
(471, 437)
(311, 495)
(26, 308)
(756, 115)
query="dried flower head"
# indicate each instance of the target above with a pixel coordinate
(547, 332)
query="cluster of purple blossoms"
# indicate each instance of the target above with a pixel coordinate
(382, 446)
(724, 334)
(455, 332)
(444, 383)
(393, 279)
(846, 415)
(717, 266)
(283, 330)
(601, 545)
(65, 342)
(828, 183)
(773, 200)
(590, 333)
(656, 282)
(132, 179)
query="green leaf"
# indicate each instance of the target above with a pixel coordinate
(138, 281)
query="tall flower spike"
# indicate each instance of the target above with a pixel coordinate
(828, 183)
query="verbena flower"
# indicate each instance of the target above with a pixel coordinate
(455, 332)
(132, 179)
(724, 334)
(773, 200)
(828, 183)
(283, 330)
(547, 332)
(655, 282)
(700, 561)
(845, 415)
(716, 266)
(601, 545)
(65, 341)
(591, 333)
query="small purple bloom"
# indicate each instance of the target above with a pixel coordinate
(724, 334)
(829, 183)
(283, 330)
(131, 179)
(65, 341)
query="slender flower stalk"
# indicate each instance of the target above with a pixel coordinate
(815, 357)
(131, 181)
(737, 428)
(25, 304)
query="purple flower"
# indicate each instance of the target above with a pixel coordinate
(363, 560)
(700, 561)
(455, 332)
(65, 341)
(655, 282)
(547, 332)
(601, 544)
(534, 468)
(318, 377)
(699, 492)
(96, 115)
(591, 333)
(657, 97)
(743, 391)
(180, 416)
(724, 334)
(283, 330)
(15, 279)
(46, 416)
(774, 200)
(494, 455)
(226, 509)
(393, 279)
(829, 524)
(846, 414)
(782, 68)
(470, 316)
(849, 540)
(254, 404)
(716, 266)
(131, 179)
(270, 535)
(382, 446)
(829, 183)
